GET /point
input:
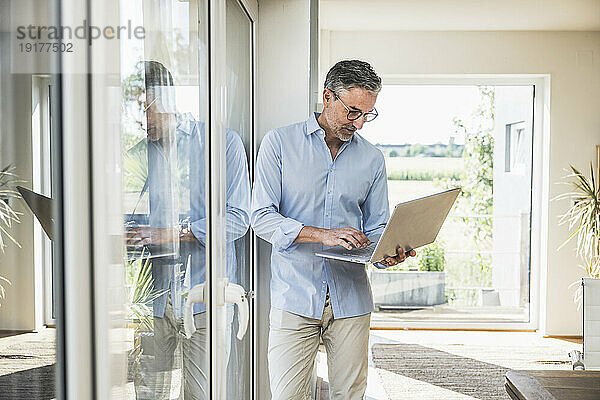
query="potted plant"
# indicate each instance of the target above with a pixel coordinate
(583, 218)
(140, 294)
(409, 285)
(8, 216)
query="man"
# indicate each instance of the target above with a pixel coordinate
(319, 183)
(175, 233)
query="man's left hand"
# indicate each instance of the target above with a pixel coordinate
(391, 261)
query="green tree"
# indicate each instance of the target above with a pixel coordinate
(417, 149)
(432, 257)
(476, 198)
(393, 153)
(478, 156)
(133, 96)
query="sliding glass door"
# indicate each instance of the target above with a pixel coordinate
(165, 192)
(239, 134)
(477, 135)
(165, 157)
(135, 120)
(186, 131)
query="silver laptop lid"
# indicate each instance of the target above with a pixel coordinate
(415, 223)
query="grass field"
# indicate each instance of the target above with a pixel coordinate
(423, 168)
(462, 269)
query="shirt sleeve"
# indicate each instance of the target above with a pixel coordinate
(238, 193)
(376, 207)
(267, 221)
(198, 228)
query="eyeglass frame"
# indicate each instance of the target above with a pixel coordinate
(361, 113)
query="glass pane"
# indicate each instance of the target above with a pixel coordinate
(164, 91)
(238, 139)
(28, 337)
(478, 138)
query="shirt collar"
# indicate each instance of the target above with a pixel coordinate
(312, 125)
(185, 124)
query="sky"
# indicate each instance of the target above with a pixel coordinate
(420, 113)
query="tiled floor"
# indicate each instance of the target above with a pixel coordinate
(528, 350)
(514, 350)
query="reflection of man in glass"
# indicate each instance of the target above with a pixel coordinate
(176, 229)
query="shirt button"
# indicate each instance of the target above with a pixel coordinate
(327, 215)
(324, 282)
(329, 191)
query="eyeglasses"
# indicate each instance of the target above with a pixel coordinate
(353, 115)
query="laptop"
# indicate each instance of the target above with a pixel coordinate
(413, 224)
(42, 207)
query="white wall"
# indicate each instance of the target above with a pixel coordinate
(511, 197)
(573, 61)
(461, 15)
(283, 63)
(282, 98)
(22, 307)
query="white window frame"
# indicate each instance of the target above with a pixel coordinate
(539, 198)
(216, 182)
(86, 145)
(251, 8)
(41, 183)
(511, 149)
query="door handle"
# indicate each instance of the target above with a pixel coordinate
(195, 295)
(226, 293)
(236, 294)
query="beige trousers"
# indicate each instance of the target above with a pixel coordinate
(168, 333)
(293, 346)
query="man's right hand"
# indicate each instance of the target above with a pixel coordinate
(144, 235)
(346, 237)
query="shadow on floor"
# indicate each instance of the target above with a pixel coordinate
(459, 374)
(35, 383)
(4, 334)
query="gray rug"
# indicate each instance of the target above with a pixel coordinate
(458, 374)
(27, 369)
(35, 383)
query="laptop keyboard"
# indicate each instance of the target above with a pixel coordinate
(365, 251)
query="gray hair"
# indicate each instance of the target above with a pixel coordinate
(348, 74)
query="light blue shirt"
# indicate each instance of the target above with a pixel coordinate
(298, 184)
(189, 265)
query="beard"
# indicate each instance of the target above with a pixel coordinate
(343, 132)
